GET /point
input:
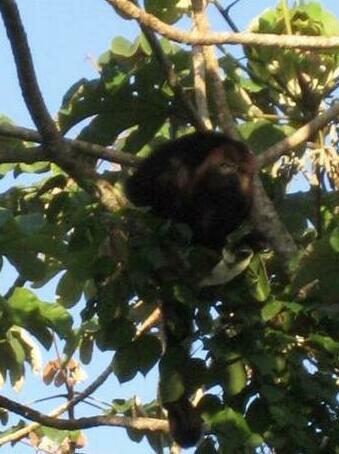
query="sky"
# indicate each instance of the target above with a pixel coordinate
(65, 35)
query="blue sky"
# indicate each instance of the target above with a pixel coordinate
(63, 35)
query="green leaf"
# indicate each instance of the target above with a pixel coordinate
(326, 343)
(86, 349)
(271, 309)
(149, 349)
(16, 375)
(262, 134)
(5, 169)
(334, 239)
(121, 46)
(30, 223)
(34, 315)
(58, 436)
(5, 215)
(57, 317)
(232, 424)
(258, 416)
(257, 278)
(169, 11)
(115, 334)
(122, 406)
(28, 265)
(209, 405)
(69, 290)
(37, 167)
(144, 352)
(82, 100)
(319, 269)
(17, 350)
(125, 363)
(236, 378)
(9, 143)
(171, 387)
(265, 362)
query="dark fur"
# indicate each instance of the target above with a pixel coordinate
(212, 204)
(205, 180)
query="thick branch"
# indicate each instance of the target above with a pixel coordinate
(149, 424)
(218, 94)
(218, 97)
(26, 74)
(266, 221)
(30, 156)
(200, 25)
(251, 39)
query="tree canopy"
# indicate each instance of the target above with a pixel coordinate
(264, 365)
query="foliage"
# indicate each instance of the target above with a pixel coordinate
(266, 349)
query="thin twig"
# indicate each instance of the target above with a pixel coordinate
(61, 409)
(300, 136)
(172, 79)
(225, 12)
(151, 321)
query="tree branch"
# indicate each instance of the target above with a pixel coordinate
(21, 433)
(298, 137)
(127, 8)
(30, 156)
(26, 73)
(225, 12)
(149, 424)
(199, 67)
(264, 215)
(225, 119)
(59, 150)
(172, 78)
(27, 157)
(270, 155)
(267, 221)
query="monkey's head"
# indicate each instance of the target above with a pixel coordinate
(202, 179)
(229, 164)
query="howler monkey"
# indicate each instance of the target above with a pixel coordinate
(205, 180)
(202, 179)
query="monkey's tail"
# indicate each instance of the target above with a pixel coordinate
(184, 419)
(185, 422)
